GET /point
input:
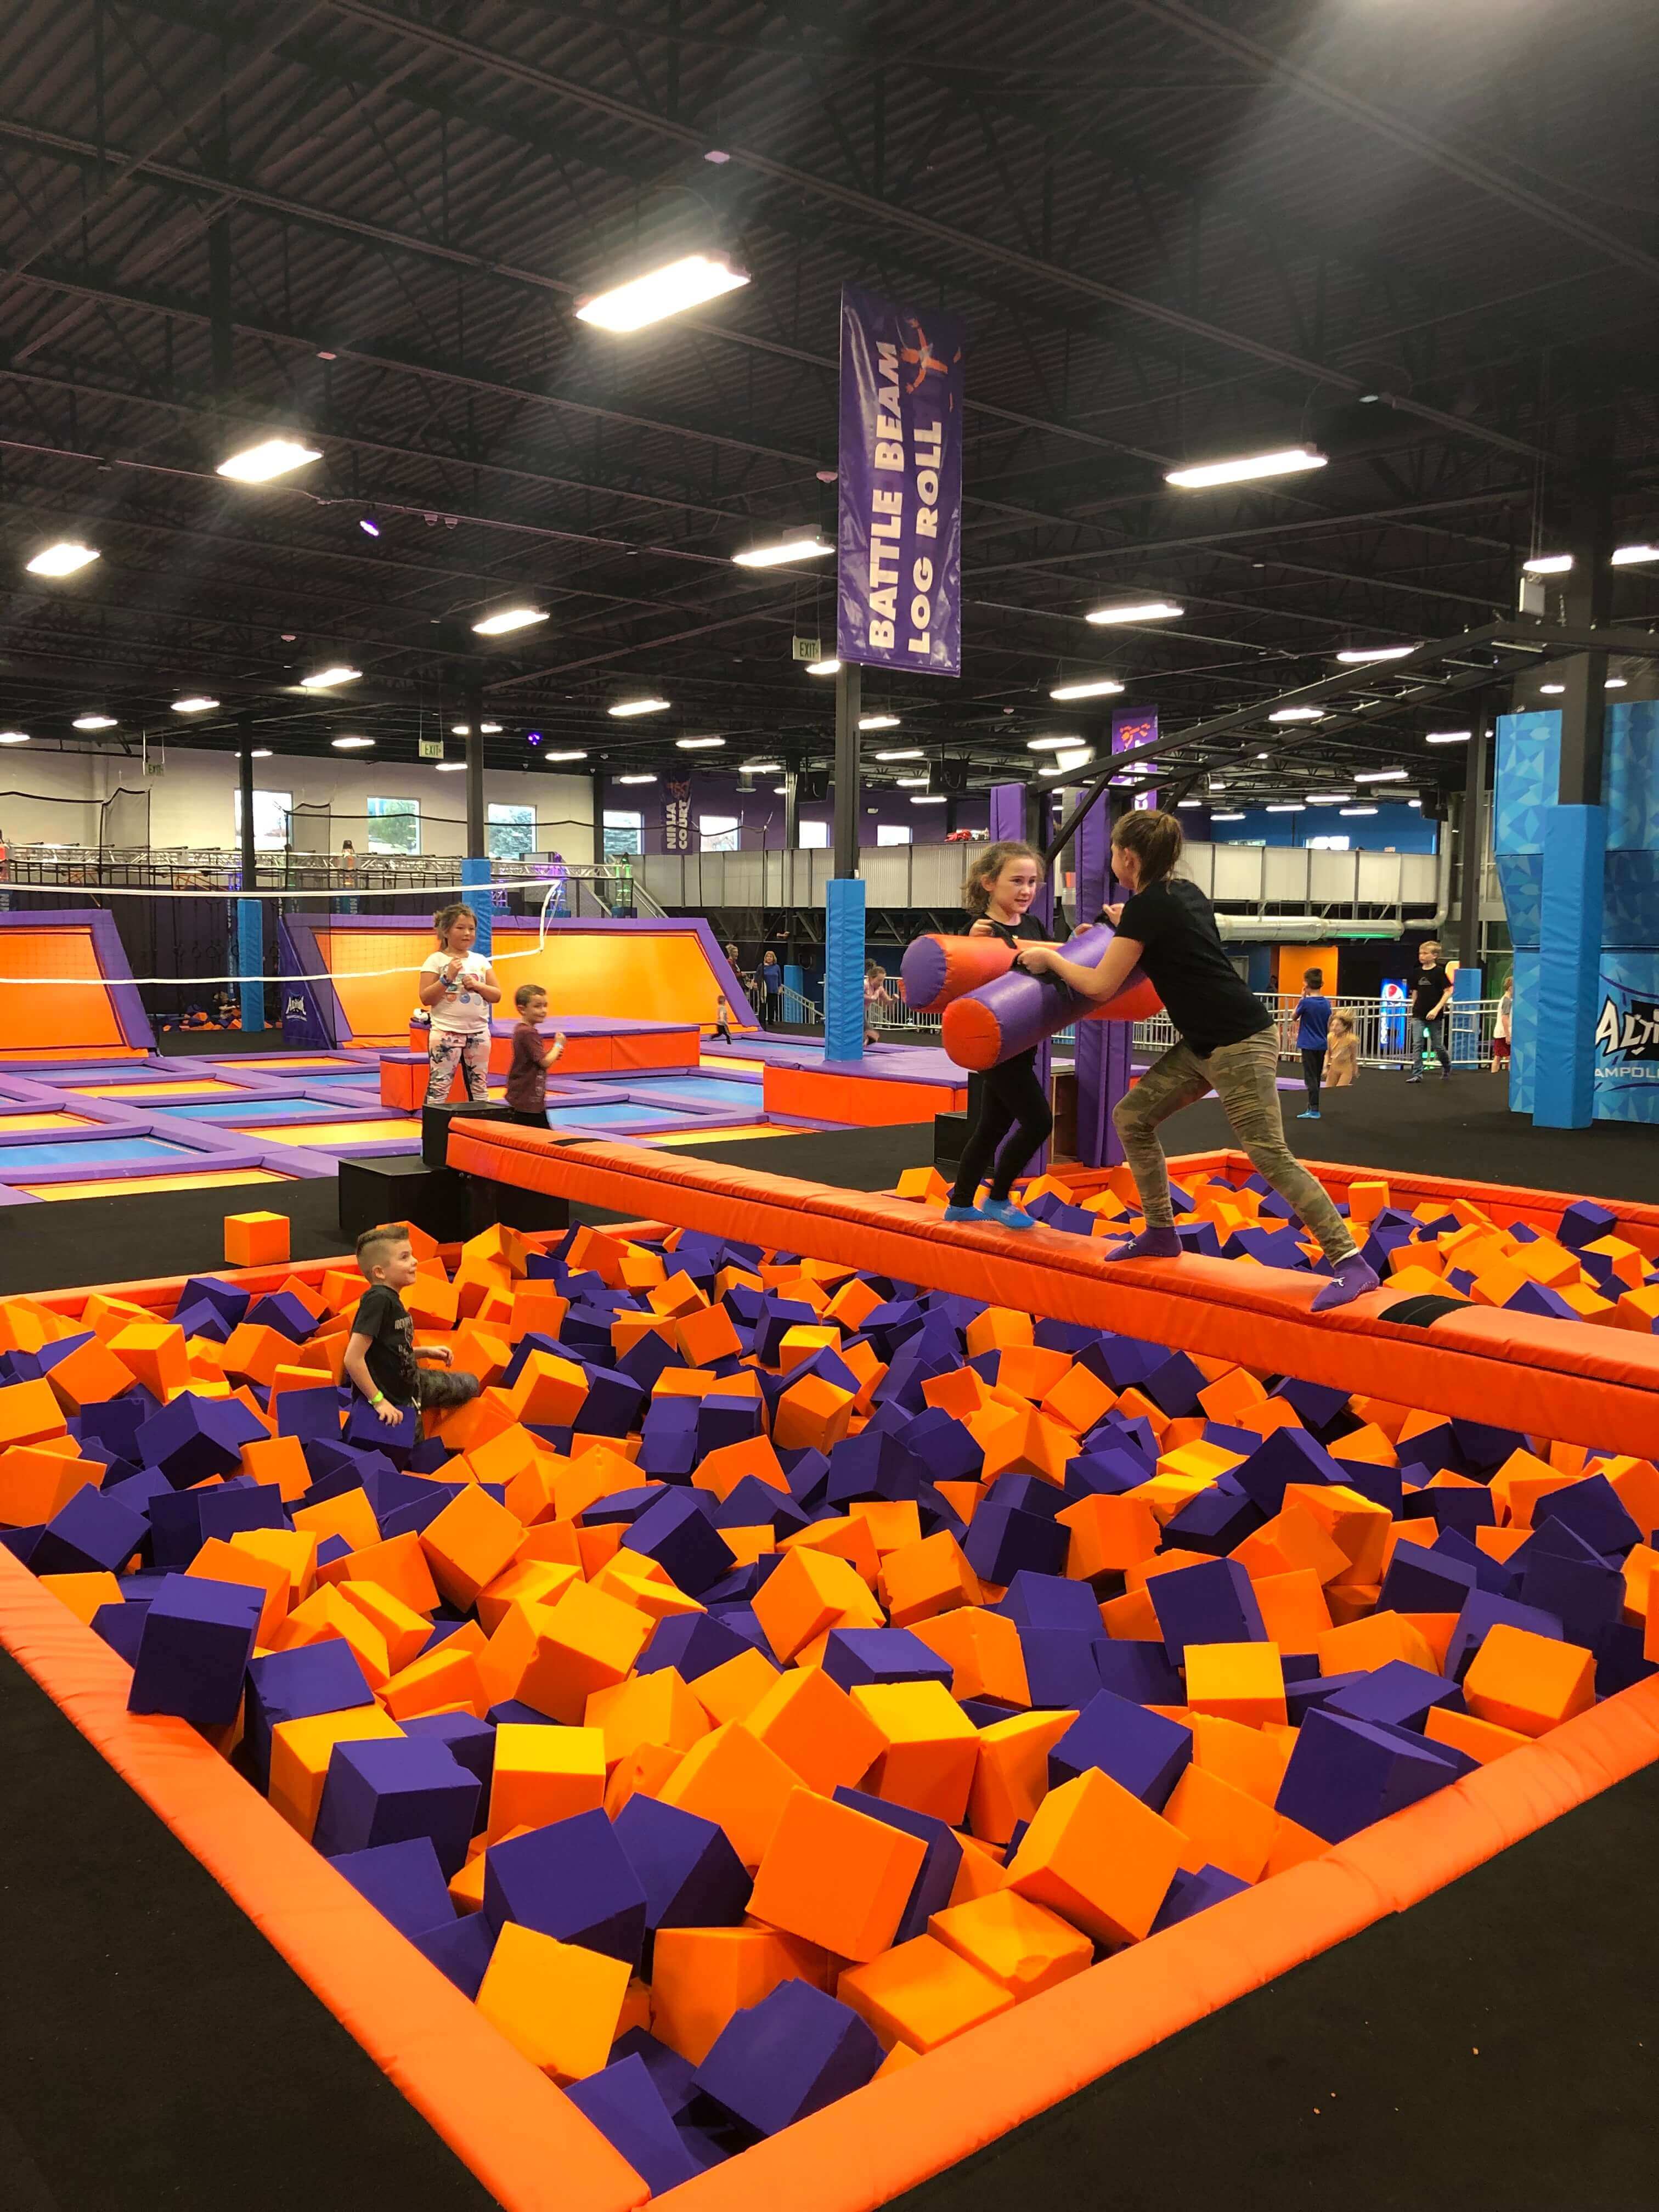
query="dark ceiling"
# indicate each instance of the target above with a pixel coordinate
(1425, 238)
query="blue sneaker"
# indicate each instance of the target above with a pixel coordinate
(1311, 1115)
(1006, 1214)
(963, 1213)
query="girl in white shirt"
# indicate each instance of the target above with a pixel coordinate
(458, 988)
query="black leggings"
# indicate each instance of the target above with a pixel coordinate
(1011, 1099)
(1313, 1075)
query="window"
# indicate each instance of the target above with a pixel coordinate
(394, 825)
(892, 833)
(1330, 844)
(622, 834)
(719, 832)
(812, 836)
(271, 809)
(512, 832)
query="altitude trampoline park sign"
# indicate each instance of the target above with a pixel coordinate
(899, 551)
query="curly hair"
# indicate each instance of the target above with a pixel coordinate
(983, 870)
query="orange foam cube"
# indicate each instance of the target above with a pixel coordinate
(931, 1747)
(986, 1657)
(549, 1391)
(1242, 1682)
(730, 1690)
(559, 2003)
(814, 1727)
(1098, 1857)
(295, 1550)
(658, 1708)
(1079, 1400)
(810, 1592)
(89, 1373)
(1252, 1759)
(218, 1562)
(585, 1640)
(405, 1631)
(1362, 1645)
(701, 1977)
(835, 1877)
(471, 1542)
(1293, 1609)
(924, 1579)
(29, 1413)
(731, 1778)
(349, 1515)
(1482, 1740)
(708, 1335)
(83, 1593)
(1011, 1775)
(256, 1240)
(1107, 1533)
(922, 1993)
(997, 1328)
(399, 1565)
(279, 1460)
(1225, 1826)
(1519, 1484)
(812, 1415)
(326, 1614)
(36, 1484)
(1528, 1683)
(300, 1751)
(1018, 1943)
(544, 1774)
(1367, 1196)
(437, 1682)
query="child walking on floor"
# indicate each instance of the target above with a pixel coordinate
(1343, 1061)
(526, 1074)
(1227, 1043)
(458, 989)
(1313, 1036)
(380, 1358)
(1014, 1114)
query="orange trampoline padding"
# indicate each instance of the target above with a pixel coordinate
(814, 1094)
(1551, 1378)
(38, 1023)
(524, 2141)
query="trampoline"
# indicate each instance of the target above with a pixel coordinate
(93, 1151)
(244, 1110)
(339, 1136)
(137, 1186)
(705, 1091)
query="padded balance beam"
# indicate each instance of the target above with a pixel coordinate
(1550, 1378)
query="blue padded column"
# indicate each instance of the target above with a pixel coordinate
(250, 962)
(1569, 967)
(843, 967)
(475, 877)
(1465, 1027)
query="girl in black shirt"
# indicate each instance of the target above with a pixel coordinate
(1014, 1114)
(1228, 1043)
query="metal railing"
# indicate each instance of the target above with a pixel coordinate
(1381, 1035)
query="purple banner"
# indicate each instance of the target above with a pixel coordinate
(1135, 727)
(899, 555)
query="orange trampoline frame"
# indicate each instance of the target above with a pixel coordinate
(521, 2136)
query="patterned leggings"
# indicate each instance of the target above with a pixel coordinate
(446, 1046)
(1245, 1078)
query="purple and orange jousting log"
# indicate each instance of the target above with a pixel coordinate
(993, 1009)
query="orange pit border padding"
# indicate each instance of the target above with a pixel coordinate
(1563, 1380)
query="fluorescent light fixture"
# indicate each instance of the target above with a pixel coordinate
(931, 799)
(799, 548)
(1103, 688)
(1290, 461)
(194, 703)
(1349, 813)
(1449, 737)
(1183, 804)
(910, 752)
(1554, 689)
(1548, 564)
(912, 783)
(95, 722)
(62, 559)
(14, 737)
(761, 768)
(490, 729)
(636, 779)
(1068, 764)
(368, 525)
(879, 721)
(1051, 744)
(460, 729)
(564, 757)
(272, 457)
(1297, 809)
(1626, 557)
(1357, 655)
(262, 753)
(666, 291)
(697, 745)
(351, 745)
(449, 767)
(497, 625)
(779, 791)
(624, 708)
(1226, 817)
(1414, 802)
(1616, 683)
(1298, 714)
(1136, 611)
(1326, 798)
(326, 678)
(1264, 756)
(824, 668)
(1380, 774)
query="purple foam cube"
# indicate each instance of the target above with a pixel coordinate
(1213, 1603)
(1062, 1666)
(668, 1440)
(792, 2054)
(1490, 1574)
(626, 2106)
(724, 1420)
(1482, 1612)
(677, 1532)
(230, 1303)
(1049, 1601)
(571, 1880)
(692, 1876)
(1145, 1752)
(1484, 1446)
(1455, 1507)
(363, 1426)
(122, 1626)
(674, 2076)
(1583, 1223)
(108, 1428)
(180, 1521)
(283, 1311)
(461, 1949)
(1345, 1774)
(1592, 1508)
(1285, 1456)
(1217, 1521)
(1585, 1596)
(1140, 1672)
(314, 1412)
(1620, 1656)
(1421, 1580)
(1003, 1541)
(692, 1643)
(936, 1877)
(1397, 1692)
(1110, 1471)
(855, 1656)
(1173, 1386)
(90, 1534)
(752, 1503)
(386, 1792)
(1305, 1693)
(192, 1439)
(944, 1446)
(875, 1464)
(404, 1881)
(612, 1405)
(295, 1686)
(471, 1741)
(197, 1639)
(1195, 1892)
(1317, 1404)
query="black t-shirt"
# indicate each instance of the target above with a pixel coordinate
(1203, 993)
(1432, 985)
(1027, 928)
(390, 1359)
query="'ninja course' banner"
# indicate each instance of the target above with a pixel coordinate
(899, 556)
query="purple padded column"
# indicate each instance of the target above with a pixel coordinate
(1007, 819)
(1102, 1048)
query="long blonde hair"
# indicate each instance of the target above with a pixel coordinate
(983, 871)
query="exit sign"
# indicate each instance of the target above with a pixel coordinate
(806, 648)
(432, 748)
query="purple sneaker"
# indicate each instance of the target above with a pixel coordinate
(1350, 1279)
(1151, 1244)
